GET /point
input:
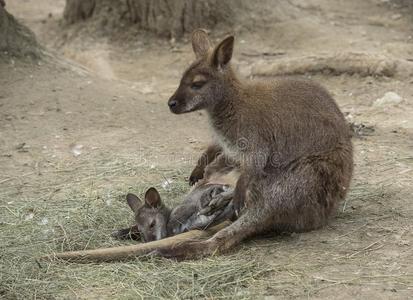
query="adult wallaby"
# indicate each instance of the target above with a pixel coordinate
(288, 136)
(206, 204)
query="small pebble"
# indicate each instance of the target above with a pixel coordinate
(390, 98)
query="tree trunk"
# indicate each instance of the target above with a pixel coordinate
(169, 18)
(16, 39)
(77, 10)
(176, 17)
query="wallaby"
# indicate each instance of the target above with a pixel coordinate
(207, 204)
(288, 136)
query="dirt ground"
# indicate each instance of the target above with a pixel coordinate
(85, 126)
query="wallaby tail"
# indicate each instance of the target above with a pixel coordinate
(127, 252)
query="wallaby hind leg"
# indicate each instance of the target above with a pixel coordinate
(227, 238)
(301, 199)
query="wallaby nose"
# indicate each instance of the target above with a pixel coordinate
(172, 103)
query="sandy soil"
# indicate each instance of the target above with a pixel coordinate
(108, 100)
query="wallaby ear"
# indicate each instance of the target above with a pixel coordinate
(133, 201)
(200, 42)
(152, 198)
(223, 52)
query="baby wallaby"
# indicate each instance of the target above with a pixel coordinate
(155, 221)
(288, 136)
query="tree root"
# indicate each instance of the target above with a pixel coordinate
(342, 63)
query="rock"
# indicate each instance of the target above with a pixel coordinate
(22, 147)
(360, 130)
(147, 90)
(76, 149)
(390, 98)
(166, 184)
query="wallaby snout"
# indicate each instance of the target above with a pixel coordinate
(172, 103)
(176, 103)
(188, 97)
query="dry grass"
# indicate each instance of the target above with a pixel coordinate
(80, 205)
(79, 211)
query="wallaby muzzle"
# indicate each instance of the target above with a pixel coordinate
(175, 106)
(177, 102)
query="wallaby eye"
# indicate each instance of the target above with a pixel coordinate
(196, 85)
(152, 225)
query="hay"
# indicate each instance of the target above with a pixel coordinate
(76, 207)
(78, 211)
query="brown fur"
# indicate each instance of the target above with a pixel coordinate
(206, 158)
(288, 136)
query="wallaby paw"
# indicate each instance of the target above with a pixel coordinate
(216, 206)
(122, 234)
(218, 202)
(195, 176)
(192, 180)
(126, 234)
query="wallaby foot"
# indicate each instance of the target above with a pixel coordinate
(217, 203)
(221, 242)
(227, 213)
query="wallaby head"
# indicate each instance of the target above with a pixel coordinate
(209, 77)
(151, 216)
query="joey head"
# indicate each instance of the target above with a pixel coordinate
(151, 215)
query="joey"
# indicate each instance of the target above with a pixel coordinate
(204, 206)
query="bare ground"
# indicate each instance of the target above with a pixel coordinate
(80, 130)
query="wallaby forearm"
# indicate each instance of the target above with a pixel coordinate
(207, 157)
